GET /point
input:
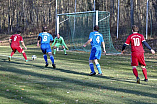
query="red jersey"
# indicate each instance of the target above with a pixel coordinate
(15, 40)
(135, 40)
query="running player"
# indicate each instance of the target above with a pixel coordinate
(137, 55)
(45, 39)
(96, 39)
(15, 45)
(59, 41)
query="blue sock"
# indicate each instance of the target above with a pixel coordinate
(52, 59)
(92, 67)
(99, 69)
(45, 58)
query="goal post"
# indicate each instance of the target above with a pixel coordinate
(76, 27)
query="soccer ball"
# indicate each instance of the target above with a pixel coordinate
(34, 57)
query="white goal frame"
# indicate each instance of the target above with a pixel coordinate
(96, 19)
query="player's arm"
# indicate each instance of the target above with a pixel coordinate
(53, 42)
(87, 42)
(123, 48)
(10, 42)
(64, 44)
(38, 40)
(10, 39)
(103, 44)
(147, 45)
(23, 44)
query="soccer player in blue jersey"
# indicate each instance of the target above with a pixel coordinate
(96, 39)
(45, 38)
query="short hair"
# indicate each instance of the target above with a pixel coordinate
(96, 27)
(135, 28)
(18, 31)
(45, 29)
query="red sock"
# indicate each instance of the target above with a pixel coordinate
(135, 72)
(12, 53)
(24, 55)
(144, 70)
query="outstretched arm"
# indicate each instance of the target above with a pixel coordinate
(123, 48)
(87, 42)
(146, 44)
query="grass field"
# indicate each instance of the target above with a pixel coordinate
(69, 83)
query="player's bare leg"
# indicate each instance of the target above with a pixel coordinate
(136, 74)
(9, 57)
(52, 59)
(24, 55)
(98, 67)
(144, 70)
(91, 65)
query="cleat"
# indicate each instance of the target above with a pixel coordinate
(65, 54)
(26, 60)
(146, 80)
(92, 73)
(9, 58)
(46, 64)
(99, 74)
(138, 80)
(54, 66)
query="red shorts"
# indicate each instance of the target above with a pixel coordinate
(18, 48)
(137, 58)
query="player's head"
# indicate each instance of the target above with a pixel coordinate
(96, 28)
(135, 28)
(45, 29)
(18, 31)
(58, 35)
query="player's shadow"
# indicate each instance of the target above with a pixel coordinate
(76, 81)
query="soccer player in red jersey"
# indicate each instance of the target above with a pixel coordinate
(15, 45)
(137, 52)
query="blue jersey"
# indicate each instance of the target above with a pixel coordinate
(45, 37)
(97, 39)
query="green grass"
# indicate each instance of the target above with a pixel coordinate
(69, 83)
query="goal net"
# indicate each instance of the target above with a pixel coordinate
(76, 27)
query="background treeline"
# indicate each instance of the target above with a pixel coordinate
(31, 15)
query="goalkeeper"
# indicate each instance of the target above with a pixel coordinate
(59, 41)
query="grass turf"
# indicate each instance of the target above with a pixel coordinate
(69, 83)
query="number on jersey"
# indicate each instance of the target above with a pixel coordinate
(15, 38)
(45, 38)
(98, 39)
(136, 41)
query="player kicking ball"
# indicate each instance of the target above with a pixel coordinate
(137, 52)
(15, 45)
(59, 41)
(95, 39)
(45, 39)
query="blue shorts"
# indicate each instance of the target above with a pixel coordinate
(46, 48)
(95, 53)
